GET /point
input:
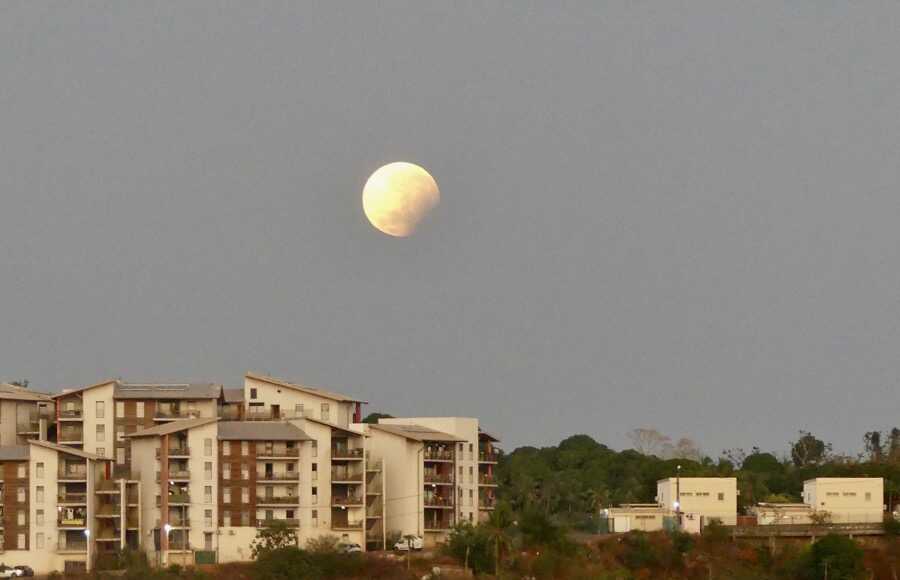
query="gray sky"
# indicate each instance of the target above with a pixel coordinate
(671, 214)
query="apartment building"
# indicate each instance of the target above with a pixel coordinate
(268, 398)
(488, 456)
(846, 499)
(24, 415)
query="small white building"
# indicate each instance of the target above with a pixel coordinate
(846, 499)
(646, 517)
(771, 514)
(707, 497)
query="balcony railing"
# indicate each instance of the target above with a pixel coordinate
(73, 522)
(486, 479)
(291, 523)
(488, 456)
(72, 473)
(108, 535)
(438, 525)
(175, 413)
(71, 436)
(438, 455)
(346, 453)
(350, 525)
(108, 485)
(76, 413)
(175, 474)
(180, 450)
(179, 498)
(109, 510)
(285, 476)
(278, 452)
(72, 498)
(438, 478)
(283, 500)
(178, 522)
(71, 547)
(346, 476)
(487, 503)
(438, 501)
(31, 426)
(346, 500)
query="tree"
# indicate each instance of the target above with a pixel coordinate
(21, 383)
(497, 530)
(286, 563)
(374, 417)
(894, 445)
(648, 441)
(808, 450)
(835, 558)
(470, 545)
(273, 537)
(874, 446)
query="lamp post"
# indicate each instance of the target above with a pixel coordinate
(678, 494)
(87, 536)
(167, 528)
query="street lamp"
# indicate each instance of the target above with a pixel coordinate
(678, 495)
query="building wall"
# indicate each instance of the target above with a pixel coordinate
(7, 422)
(201, 478)
(287, 398)
(13, 480)
(403, 484)
(711, 497)
(92, 442)
(847, 499)
(145, 463)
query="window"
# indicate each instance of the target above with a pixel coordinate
(207, 518)
(226, 448)
(20, 517)
(245, 473)
(39, 471)
(298, 410)
(120, 433)
(120, 455)
(20, 541)
(290, 468)
(207, 471)
(226, 495)
(226, 471)
(868, 496)
(470, 497)
(101, 451)
(315, 495)
(245, 519)
(101, 432)
(208, 541)
(39, 540)
(39, 494)
(39, 517)
(245, 448)
(207, 494)
(325, 412)
(253, 393)
(245, 495)
(315, 471)
(226, 517)
(120, 409)
(289, 514)
(315, 518)
(101, 409)
(20, 472)
(721, 496)
(315, 448)
(139, 409)
(20, 495)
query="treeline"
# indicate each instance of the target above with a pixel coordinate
(580, 475)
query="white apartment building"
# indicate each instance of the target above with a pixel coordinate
(846, 499)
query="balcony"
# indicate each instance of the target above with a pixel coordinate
(283, 500)
(438, 454)
(72, 473)
(71, 547)
(438, 525)
(170, 414)
(73, 522)
(349, 525)
(71, 436)
(176, 475)
(179, 499)
(284, 476)
(278, 453)
(176, 523)
(487, 503)
(291, 523)
(75, 414)
(436, 501)
(487, 479)
(113, 510)
(346, 501)
(72, 499)
(439, 478)
(488, 457)
(176, 451)
(108, 486)
(346, 453)
(108, 536)
(341, 476)
(31, 425)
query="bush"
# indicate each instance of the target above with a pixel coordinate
(891, 526)
(272, 537)
(839, 555)
(290, 563)
(472, 544)
(638, 553)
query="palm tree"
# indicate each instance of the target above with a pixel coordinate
(497, 527)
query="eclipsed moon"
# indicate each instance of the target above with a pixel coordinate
(398, 196)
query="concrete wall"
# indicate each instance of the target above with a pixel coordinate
(143, 457)
(711, 497)
(847, 499)
(287, 398)
(199, 481)
(403, 484)
(102, 393)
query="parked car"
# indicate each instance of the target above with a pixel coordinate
(350, 548)
(24, 570)
(7, 572)
(407, 543)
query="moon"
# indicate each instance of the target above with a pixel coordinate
(398, 196)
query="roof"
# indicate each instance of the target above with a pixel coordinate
(14, 452)
(333, 426)
(839, 479)
(786, 506)
(233, 395)
(174, 427)
(304, 389)
(416, 432)
(167, 391)
(16, 393)
(69, 450)
(261, 431)
(66, 392)
(482, 434)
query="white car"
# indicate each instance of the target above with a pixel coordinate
(407, 543)
(7, 572)
(350, 548)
